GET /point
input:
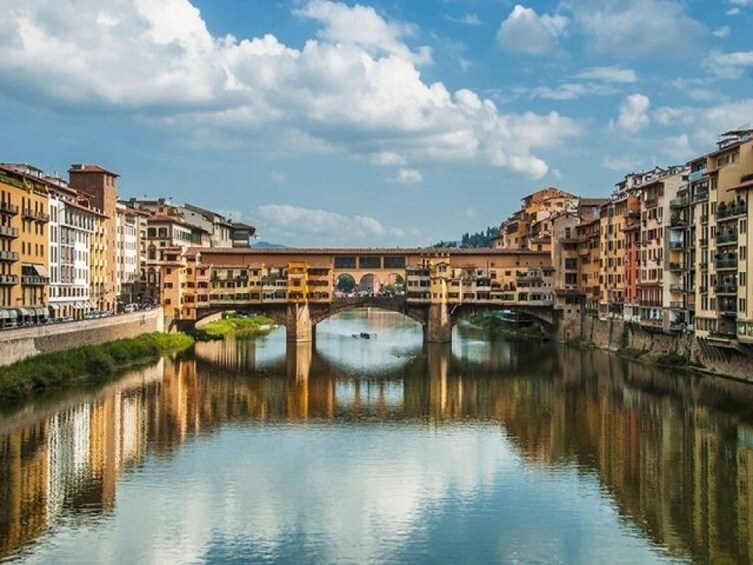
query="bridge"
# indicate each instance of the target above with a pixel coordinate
(299, 288)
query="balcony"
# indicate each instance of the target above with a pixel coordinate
(34, 280)
(676, 305)
(726, 263)
(704, 242)
(726, 238)
(649, 303)
(678, 222)
(651, 202)
(727, 308)
(701, 196)
(632, 213)
(704, 218)
(6, 280)
(675, 288)
(8, 256)
(726, 289)
(732, 211)
(30, 214)
(676, 267)
(676, 245)
(8, 208)
(678, 202)
(8, 232)
(697, 175)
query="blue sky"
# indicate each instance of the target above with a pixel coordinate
(373, 123)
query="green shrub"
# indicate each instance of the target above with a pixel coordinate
(90, 363)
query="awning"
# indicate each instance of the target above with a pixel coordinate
(55, 307)
(40, 270)
(26, 311)
(43, 312)
(4, 315)
(79, 306)
(93, 305)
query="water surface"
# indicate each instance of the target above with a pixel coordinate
(382, 450)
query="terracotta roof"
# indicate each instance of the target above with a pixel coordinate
(436, 251)
(593, 202)
(747, 184)
(78, 168)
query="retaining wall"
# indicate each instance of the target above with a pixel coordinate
(615, 334)
(19, 344)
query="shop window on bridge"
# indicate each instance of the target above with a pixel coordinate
(394, 262)
(369, 262)
(345, 262)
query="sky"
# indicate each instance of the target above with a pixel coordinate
(376, 123)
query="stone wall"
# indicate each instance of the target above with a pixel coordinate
(26, 342)
(616, 335)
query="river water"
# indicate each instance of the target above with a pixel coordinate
(382, 450)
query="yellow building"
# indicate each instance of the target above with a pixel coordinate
(24, 260)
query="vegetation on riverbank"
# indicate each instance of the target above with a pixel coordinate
(495, 326)
(83, 365)
(233, 325)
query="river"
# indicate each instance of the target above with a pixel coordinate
(382, 450)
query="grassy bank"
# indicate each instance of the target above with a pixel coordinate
(232, 325)
(498, 327)
(81, 365)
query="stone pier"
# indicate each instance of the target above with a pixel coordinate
(298, 323)
(439, 325)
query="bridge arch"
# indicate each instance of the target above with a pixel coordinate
(390, 304)
(345, 282)
(542, 314)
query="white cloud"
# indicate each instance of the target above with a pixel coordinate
(565, 91)
(743, 3)
(278, 177)
(728, 65)
(634, 113)
(300, 222)
(387, 158)
(524, 31)
(721, 31)
(636, 28)
(703, 124)
(678, 148)
(362, 26)
(409, 176)
(734, 12)
(468, 18)
(609, 74)
(356, 89)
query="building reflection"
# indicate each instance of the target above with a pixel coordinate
(674, 453)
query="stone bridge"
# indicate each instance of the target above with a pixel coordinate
(437, 319)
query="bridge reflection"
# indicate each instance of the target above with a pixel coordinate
(674, 453)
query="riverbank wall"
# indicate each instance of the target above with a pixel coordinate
(19, 344)
(620, 336)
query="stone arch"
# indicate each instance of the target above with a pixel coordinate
(368, 283)
(394, 304)
(345, 283)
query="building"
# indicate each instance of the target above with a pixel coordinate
(24, 258)
(723, 313)
(101, 186)
(242, 234)
(130, 244)
(72, 224)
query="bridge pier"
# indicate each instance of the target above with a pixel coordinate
(298, 324)
(439, 325)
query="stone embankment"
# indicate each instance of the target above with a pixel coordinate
(683, 349)
(22, 343)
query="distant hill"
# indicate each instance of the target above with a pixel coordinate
(267, 245)
(472, 240)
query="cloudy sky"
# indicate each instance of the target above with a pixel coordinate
(383, 122)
